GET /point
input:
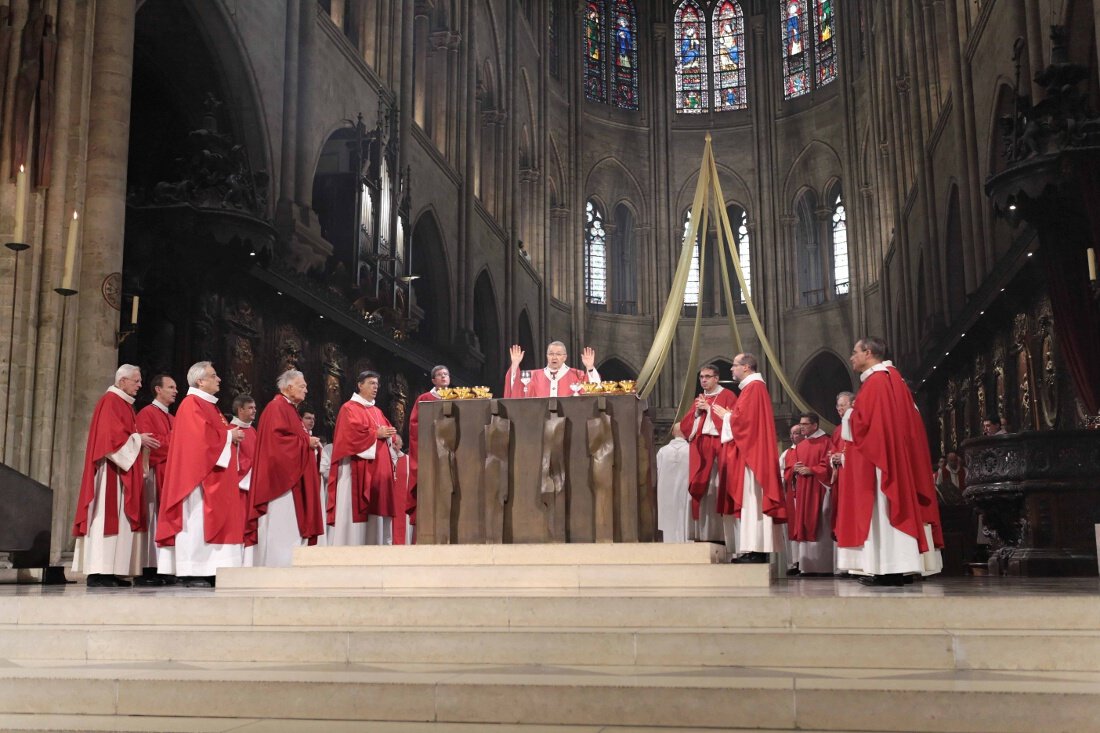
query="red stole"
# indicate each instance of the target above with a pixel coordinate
(810, 494)
(704, 450)
(284, 463)
(540, 383)
(371, 480)
(753, 446)
(113, 423)
(402, 498)
(152, 419)
(200, 437)
(883, 432)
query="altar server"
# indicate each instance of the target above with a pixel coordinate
(673, 499)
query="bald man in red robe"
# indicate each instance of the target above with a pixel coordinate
(109, 508)
(156, 420)
(888, 528)
(752, 466)
(201, 522)
(361, 483)
(712, 512)
(554, 379)
(285, 489)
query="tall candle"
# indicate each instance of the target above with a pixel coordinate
(134, 311)
(70, 253)
(1091, 255)
(20, 203)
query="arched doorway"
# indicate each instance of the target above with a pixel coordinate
(432, 289)
(822, 379)
(615, 370)
(487, 329)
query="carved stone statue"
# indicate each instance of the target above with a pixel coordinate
(399, 400)
(288, 349)
(334, 364)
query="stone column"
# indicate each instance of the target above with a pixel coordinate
(104, 224)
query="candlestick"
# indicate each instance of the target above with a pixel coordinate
(1091, 256)
(70, 253)
(134, 311)
(20, 203)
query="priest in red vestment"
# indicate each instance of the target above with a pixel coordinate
(899, 508)
(244, 415)
(950, 478)
(156, 420)
(109, 508)
(441, 378)
(810, 528)
(201, 522)
(309, 422)
(711, 510)
(555, 379)
(361, 502)
(752, 465)
(285, 488)
(786, 461)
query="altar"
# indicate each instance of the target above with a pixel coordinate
(536, 470)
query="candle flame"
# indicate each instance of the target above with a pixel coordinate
(22, 169)
(75, 216)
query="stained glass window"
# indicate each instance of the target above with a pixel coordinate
(691, 292)
(595, 256)
(824, 47)
(743, 255)
(692, 74)
(809, 59)
(624, 55)
(728, 49)
(594, 66)
(840, 248)
(795, 38)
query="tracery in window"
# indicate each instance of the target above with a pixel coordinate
(691, 292)
(840, 248)
(595, 256)
(743, 252)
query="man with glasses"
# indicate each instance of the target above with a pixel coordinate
(554, 379)
(712, 512)
(109, 507)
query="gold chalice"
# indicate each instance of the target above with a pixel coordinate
(590, 387)
(628, 386)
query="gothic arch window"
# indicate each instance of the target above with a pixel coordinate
(839, 230)
(807, 35)
(808, 257)
(691, 292)
(710, 49)
(595, 256)
(739, 221)
(611, 53)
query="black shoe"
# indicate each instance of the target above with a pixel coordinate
(887, 580)
(196, 581)
(95, 580)
(148, 580)
(168, 579)
(122, 582)
(793, 572)
(751, 558)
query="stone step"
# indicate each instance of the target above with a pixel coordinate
(769, 699)
(577, 576)
(159, 724)
(740, 609)
(808, 648)
(549, 554)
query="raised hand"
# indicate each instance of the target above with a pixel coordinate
(588, 357)
(516, 353)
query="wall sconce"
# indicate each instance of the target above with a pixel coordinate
(126, 332)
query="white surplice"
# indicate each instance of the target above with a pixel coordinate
(673, 499)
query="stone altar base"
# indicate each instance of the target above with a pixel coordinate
(940, 656)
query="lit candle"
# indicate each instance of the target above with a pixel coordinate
(20, 203)
(70, 253)
(134, 311)
(1091, 255)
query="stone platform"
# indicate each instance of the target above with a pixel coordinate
(946, 656)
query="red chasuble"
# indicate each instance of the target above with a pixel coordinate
(284, 463)
(926, 488)
(854, 495)
(402, 497)
(787, 475)
(810, 494)
(198, 442)
(113, 423)
(371, 480)
(414, 456)
(540, 383)
(753, 446)
(152, 419)
(883, 432)
(246, 453)
(704, 450)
